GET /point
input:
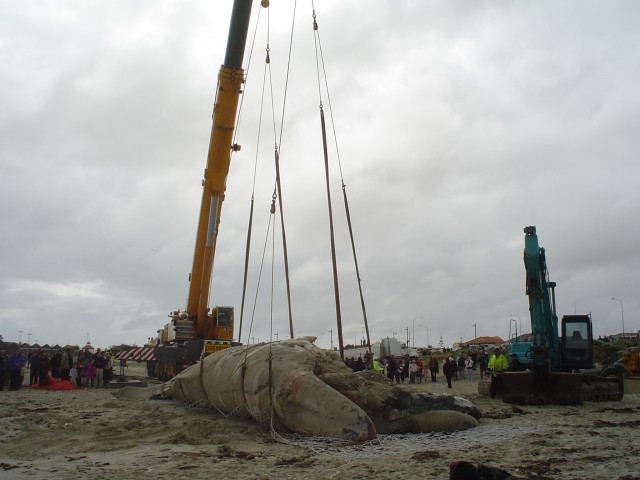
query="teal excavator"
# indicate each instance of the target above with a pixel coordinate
(559, 361)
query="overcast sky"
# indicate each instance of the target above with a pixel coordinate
(457, 124)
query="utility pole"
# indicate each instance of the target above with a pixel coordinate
(413, 333)
(519, 322)
(20, 338)
(475, 331)
(622, 309)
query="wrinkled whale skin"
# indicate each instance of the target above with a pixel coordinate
(314, 393)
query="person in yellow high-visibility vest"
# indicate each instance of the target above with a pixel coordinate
(376, 366)
(497, 364)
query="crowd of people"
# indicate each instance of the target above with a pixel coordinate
(84, 369)
(464, 366)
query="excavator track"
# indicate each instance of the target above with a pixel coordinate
(601, 389)
(560, 388)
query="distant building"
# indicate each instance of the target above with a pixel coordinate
(387, 346)
(481, 342)
(626, 336)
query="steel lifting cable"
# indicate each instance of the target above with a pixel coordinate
(267, 69)
(266, 74)
(272, 213)
(264, 250)
(344, 187)
(277, 150)
(277, 187)
(270, 359)
(334, 265)
(255, 168)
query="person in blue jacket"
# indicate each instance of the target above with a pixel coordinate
(16, 362)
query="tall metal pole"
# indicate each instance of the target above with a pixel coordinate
(519, 321)
(516, 323)
(622, 310)
(413, 333)
(475, 331)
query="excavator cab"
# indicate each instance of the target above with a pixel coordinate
(576, 343)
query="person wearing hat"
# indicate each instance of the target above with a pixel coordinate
(449, 368)
(413, 370)
(497, 364)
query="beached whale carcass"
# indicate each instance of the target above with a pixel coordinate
(311, 391)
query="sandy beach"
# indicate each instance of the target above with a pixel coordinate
(93, 433)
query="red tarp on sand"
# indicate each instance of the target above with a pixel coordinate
(55, 384)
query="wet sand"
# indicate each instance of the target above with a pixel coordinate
(92, 433)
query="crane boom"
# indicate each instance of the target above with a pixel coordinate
(198, 329)
(230, 81)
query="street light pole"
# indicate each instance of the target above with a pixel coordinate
(413, 332)
(622, 310)
(20, 338)
(514, 321)
(475, 331)
(519, 321)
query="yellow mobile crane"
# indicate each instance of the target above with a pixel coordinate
(198, 329)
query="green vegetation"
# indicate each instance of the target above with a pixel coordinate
(606, 353)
